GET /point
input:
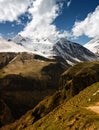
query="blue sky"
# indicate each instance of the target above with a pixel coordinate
(61, 18)
(77, 10)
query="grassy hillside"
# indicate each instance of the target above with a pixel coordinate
(73, 114)
(67, 109)
(78, 77)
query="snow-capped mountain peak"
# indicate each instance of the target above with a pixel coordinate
(69, 51)
(42, 46)
(93, 45)
(10, 46)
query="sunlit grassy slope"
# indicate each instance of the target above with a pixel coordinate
(73, 114)
(70, 115)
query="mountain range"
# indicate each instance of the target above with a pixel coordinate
(42, 81)
(71, 52)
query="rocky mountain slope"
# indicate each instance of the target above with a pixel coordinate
(93, 45)
(68, 108)
(72, 52)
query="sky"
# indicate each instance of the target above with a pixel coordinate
(76, 20)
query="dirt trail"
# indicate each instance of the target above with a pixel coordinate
(94, 108)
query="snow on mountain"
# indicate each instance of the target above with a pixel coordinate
(42, 46)
(69, 51)
(9, 46)
(93, 45)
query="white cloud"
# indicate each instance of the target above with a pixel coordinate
(41, 13)
(10, 10)
(89, 26)
(44, 12)
(69, 2)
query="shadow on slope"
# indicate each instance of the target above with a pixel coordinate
(26, 80)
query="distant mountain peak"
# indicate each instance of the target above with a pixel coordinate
(93, 45)
(10, 46)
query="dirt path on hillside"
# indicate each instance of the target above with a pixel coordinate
(94, 108)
